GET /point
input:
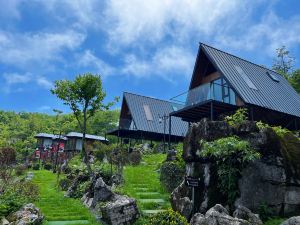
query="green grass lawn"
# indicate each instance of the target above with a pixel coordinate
(59, 210)
(276, 221)
(142, 183)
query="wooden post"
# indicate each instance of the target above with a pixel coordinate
(170, 131)
(211, 111)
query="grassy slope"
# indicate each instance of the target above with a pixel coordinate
(54, 205)
(145, 176)
(277, 221)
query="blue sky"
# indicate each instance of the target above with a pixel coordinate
(145, 47)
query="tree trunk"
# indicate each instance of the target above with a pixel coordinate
(85, 155)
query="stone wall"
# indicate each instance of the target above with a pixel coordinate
(272, 180)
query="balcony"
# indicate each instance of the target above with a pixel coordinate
(206, 100)
(206, 92)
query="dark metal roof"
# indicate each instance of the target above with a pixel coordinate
(279, 96)
(158, 109)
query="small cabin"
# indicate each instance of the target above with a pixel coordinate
(47, 141)
(74, 142)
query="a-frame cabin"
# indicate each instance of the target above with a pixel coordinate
(222, 82)
(147, 118)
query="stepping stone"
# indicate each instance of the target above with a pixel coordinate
(152, 211)
(155, 200)
(68, 222)
(141, 189)
(152, 195)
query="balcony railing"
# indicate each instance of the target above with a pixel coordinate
(209, 91)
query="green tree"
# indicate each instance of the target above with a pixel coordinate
(284, 62)
(84, 96)
(295, 80)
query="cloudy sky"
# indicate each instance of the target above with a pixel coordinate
(145, 47)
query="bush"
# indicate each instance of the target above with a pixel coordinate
(171, 174)
(135, 157)
(168, 217)
(231, 155)
(36, 166)
(16, 195)
(65, 184)
(20, 170)
(47, 166)
(238, 118)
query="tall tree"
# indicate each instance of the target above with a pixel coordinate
(295, 80)
(84, 96)
(284, 62)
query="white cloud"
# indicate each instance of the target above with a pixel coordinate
(38, 49)
(168, 63)
(14, 80)
(10, 9)
(88, 60)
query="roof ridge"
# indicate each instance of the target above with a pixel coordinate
(125, 92)
(240, 58)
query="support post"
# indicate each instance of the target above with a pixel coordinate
(251, 113)
(211, 111)
(170, 131)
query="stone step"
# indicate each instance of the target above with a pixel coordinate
(68, 222)
(154, 200)
(139, 189)
(144, 195)
(152, 211)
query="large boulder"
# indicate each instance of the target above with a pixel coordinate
(102, 192)
(120, 210)
(244, 213)
(217, 215)
(27, 215)
(292, 221)
(180, 200)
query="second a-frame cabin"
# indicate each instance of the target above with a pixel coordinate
(147, 118)
(222, 82)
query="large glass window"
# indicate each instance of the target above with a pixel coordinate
(222, 92)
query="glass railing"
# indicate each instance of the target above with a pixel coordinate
(209, 91)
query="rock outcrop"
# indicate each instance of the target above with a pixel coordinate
(27, 215)
(219, 215)
(112, 208)
(273, 180)
(292, 221)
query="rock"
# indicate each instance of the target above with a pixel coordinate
(102, 192)
(120, 210)
(4, 221)
(217, 215)
(171, 155)
(27, 215)
(80, 178)
(116, 179)
(244, 213)
(180, 200)
(292, 221)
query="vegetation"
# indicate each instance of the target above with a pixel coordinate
(237, 118)
(84, 96)
(231, 155)
(168, 217)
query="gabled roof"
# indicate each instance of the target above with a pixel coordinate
(50, 136)
(88, 136)
(158, 108)
(279, 96)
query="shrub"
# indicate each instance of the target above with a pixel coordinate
(135, 157)
(36, 166)
(16, 195)
(64, 184)
(168, 217)
(265, 212)
(20, 170)
(47, 166)
(171, 174)
(238, 118)
(231, 155)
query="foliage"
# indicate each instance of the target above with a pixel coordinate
(238, 118)
(231, 155)
(283, 63)
(168, 217)
(16, 195)
(278, 129)
(20, 170)
(64, 184)
(135, 157)
(294, 79)
(102, 151)
(84, 96)
(265, 212)
(171, 174)
(47, 166)
(274, 221)
(36, 166)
